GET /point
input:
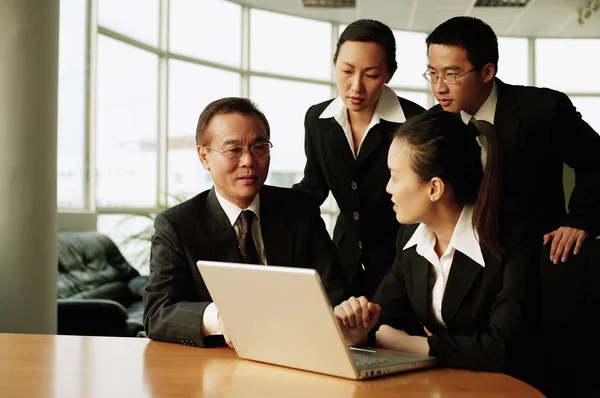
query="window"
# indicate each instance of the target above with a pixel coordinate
(411, 55)
(285, 103)
(191, 88)
(137, 19)
(513, 64)
(415, 96)
(71, 105)
(197, 30)
(290, 45)
(589, 107)
(329, 213)
(284, 53)
(561, 64)
(132, 235)
(126, 133)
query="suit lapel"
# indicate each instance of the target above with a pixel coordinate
(463, 273)
(420, 278)
(506, 121)
(371, 142)
(338, 142)
(222, 243)
(276, 237)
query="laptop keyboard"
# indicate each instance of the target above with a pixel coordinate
(365, 360)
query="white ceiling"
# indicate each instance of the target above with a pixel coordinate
(540, 18)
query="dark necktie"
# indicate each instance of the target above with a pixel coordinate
(473, 125)
(480, 138)
(246, 243)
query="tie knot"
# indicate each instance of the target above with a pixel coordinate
(474, 126)
(246, 217)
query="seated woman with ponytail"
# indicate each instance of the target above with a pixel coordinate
(459, 289)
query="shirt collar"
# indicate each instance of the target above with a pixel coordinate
(388, 108)
(487, 110)
(233, 212)
(464, 237)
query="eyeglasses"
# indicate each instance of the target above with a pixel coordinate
(449, 78)
(237, 152)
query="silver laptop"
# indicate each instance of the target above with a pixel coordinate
(282, 316)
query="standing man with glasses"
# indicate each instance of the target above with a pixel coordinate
(239, 220)
(540, 130)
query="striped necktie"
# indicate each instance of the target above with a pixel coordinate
(246, 241)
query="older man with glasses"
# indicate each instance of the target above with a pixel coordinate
(239, 220)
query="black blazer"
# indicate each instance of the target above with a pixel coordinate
(490, 312)
(366, 227)
(293, 232)
(540, 129)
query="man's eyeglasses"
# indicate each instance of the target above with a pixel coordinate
(449, 78)
(237, 152)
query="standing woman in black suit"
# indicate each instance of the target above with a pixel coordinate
(346, 143)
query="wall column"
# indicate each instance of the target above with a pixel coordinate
(28, 148)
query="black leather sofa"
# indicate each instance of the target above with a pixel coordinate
(99, 292)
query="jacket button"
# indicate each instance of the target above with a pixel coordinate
(360, 245)
(355, 215)
(353, 185)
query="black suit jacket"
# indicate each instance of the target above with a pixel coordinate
(490, 312)
(366, 227)
(293, 233)
(540, 129)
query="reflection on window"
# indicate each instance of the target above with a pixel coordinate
(513, 64)
(301, 47)
(285, 103)
(416, 97)
(132, 236)
(561, 63)
(71, 101)
(588, 107)
(197, 29)
(126, 125)
(137, 19)
(191, 88)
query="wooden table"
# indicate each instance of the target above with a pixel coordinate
(75, 366)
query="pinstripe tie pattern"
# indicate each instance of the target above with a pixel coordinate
(246, 241)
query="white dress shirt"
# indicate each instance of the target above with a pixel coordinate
(388, 108)
(487, 113)
(464, 239)
(210, 320)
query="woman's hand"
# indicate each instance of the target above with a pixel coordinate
(356, 317)
(393, 339)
